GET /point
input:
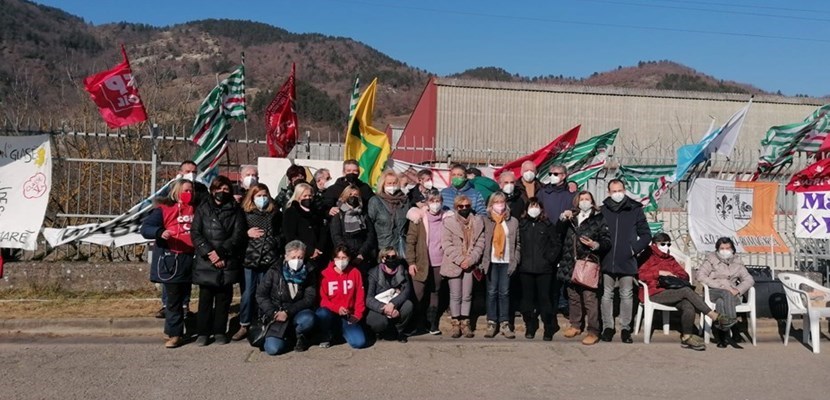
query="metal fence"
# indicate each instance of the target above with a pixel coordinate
(97, 176)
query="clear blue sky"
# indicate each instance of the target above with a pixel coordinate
(773, 44)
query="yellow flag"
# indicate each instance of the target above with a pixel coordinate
(365, 143)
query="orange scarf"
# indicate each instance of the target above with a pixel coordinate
(498, 235)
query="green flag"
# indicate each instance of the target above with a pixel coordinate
(781, 142)
(583, 160)
(210, 129)
(646, 183)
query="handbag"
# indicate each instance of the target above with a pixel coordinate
(258, 332)
(586, 271)
(672, 282)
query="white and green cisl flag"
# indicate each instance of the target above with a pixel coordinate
(646, 183)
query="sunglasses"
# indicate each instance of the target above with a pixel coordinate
(557, 173)
(667, 244)
(463, 206)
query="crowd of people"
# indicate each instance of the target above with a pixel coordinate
(325, 262)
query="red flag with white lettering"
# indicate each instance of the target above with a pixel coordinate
(816, 177)
(115, 94)
(281, 120)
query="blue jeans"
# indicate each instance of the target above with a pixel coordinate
(186, 302)
(353, 333)
(498, 293)
(303, 323)
(248, 308)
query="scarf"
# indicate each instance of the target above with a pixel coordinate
(389, 270)
(352, 221)
(467, 229)
(498, 235)
(395, 201)
(296, 277)
(582, 216)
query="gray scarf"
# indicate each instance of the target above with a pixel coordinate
(352, 221)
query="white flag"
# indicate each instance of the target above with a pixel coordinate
(724, 139)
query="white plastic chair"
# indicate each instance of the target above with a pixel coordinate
(746, 307)
(798, 303)
(645, 310)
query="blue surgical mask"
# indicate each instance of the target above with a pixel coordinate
(261, 202)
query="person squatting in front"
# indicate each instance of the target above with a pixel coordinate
(388, 297)
(342, 301)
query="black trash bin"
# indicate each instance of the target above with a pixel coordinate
(770, 299)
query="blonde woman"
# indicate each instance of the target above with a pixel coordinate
(463, 243)
(501, 255)
(301, 222)
(351, 228)
(387, 211)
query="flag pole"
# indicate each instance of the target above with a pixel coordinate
(152, 127)
(245, 122)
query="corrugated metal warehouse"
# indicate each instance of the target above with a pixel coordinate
(464, 118)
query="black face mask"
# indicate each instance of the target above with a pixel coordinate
(306, 203)
(223, 197)
(351, 178)
(465, 212)
(353, 201)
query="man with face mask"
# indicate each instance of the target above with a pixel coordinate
(351, 176)
(530, 186)
(630, 235)
(555, 196)
(417, 196)
(507, 183)
(295, 175)
(248, 176)
(462, 186)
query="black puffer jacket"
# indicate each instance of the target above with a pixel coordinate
(273, 295)
(305, 226)
(593, 227)
(630, 235)
(223, 229)
(541, 246)
(516, 204)
(264, 252)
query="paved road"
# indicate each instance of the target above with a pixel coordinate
(425, 368)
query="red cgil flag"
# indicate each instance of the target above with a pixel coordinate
(115, 94)
(539, 157)
(816, 177)
(281, 120)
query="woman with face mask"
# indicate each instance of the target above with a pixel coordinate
(351, 228)
(424, 255)
(286, 297)
(728, 281)
(169, 224)
(501, 256)
(342, 302)
(219, 236)
(586, 237)
(387, 297)
(301, 222)
(540, 251)
(264, 223)
(661, 263)
(387, 211)
(463, 244)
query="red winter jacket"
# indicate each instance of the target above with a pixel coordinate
(658, 261)
(342, 290)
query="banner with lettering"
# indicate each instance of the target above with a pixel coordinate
(743, 211)
(813, 215)
(25, 182)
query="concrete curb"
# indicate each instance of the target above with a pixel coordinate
(153, 327)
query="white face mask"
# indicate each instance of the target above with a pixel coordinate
(391, 189)
(341, 264)
(498, 208)
(725, 254)
(261, 202)
(434, 207)
(295, 264)
(508, 188)
(664, 249)
(528, 176)
(534, 212)
(249, 181)
(188, 176)
(555, 179)
(330, 183)
(428, 185)
(585, 205)
(618, 196)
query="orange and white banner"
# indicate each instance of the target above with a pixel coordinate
(743, 211)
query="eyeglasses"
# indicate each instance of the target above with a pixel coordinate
(463, 206)
(667, 244)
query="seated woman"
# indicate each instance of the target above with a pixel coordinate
(288, 294)
(728, 281)
(387, 297)
(341, 301)
(661, 263)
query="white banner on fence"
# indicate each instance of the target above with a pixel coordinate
(813, 215)
(25, 182)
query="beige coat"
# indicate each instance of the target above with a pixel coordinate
(456, 251)
(719, 274)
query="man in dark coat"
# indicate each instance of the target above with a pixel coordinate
(630, 235)
(556, 198)
(351, 174)
(507, 184)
